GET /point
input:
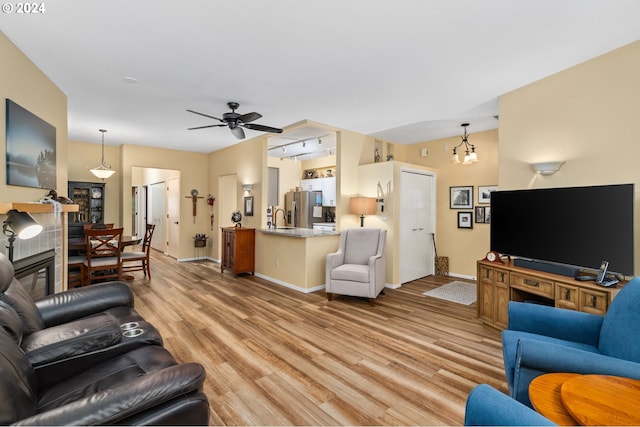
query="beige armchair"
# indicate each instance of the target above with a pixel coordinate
(358, 268)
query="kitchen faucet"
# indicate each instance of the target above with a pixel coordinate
(275, 217)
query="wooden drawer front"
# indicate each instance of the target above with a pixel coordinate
(567, 296)
(593, 302)
(533, 284)
(485, 274)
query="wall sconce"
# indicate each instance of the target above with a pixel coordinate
(247, 187)
(362, 206)
(546, 168)
(21, 225)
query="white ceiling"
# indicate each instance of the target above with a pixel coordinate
(401, 70)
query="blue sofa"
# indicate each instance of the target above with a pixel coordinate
(541, 339)
(487, 406)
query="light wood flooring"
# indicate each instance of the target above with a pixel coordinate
(275, 356)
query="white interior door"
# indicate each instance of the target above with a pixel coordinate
(417, 223)
(157, 215)
(173, 217)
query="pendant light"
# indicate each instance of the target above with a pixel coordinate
(103, 171)
(470, 149)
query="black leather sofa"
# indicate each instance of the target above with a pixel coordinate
(85, 357)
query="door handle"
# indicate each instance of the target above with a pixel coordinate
(176, 222)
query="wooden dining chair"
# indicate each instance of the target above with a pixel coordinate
(140, 260)
(91, 226)
(104, 253)
(76, 270)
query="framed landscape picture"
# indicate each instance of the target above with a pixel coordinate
(461, 197)
(484, 193)
(31, 149)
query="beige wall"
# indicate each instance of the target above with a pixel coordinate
(248, 161)
(22, 82)
(586, 116)
(193, 174)
(463, 246)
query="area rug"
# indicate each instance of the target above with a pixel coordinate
(458, 292)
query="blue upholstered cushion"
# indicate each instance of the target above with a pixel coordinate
(619, 332)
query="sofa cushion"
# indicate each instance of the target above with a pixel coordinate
(72, 339)
(18, 298)
(17, 382)
(619, 332)
(351, 273)
(118, 370)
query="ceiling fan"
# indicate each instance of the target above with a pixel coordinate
(236, 121)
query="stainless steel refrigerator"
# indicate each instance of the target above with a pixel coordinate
(303, 208)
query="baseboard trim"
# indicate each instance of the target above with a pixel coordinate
(290, 285)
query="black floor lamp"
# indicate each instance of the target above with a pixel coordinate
(21, 225)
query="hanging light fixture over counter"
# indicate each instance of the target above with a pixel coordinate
(103, 171)
(470, 149)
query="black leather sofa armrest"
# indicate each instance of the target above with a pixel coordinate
(72, 339)
(115, 405)
(81, 302)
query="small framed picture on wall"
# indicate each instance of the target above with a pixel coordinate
(465, 219)
(484, 193)
(248, 206)
(461, 197)
(479, 214)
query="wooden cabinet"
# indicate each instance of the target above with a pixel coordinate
(500, 283)
(329, 191)
(89, 196)
(238, 250)
(493, 295)
(326, 185)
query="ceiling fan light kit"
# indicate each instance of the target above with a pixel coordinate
(236, 121)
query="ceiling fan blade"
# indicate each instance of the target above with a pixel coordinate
(206, 115)
(262, 128)
(208, 126)
(249, 117)
(237, 132)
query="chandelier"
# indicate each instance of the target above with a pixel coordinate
(103, 171)
(470, 149)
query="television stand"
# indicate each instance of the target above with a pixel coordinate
(498, 284)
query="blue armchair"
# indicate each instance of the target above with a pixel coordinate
(487, 406)
(541, 339)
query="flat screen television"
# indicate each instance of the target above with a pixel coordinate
(574, 226)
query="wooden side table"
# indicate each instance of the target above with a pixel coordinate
(589, 400)
(544, 393)
(596, 400)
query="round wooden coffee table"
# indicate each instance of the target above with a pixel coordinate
(544, 393)
(596, 400)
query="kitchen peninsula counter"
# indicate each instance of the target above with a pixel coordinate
(295, 257)
(298, 232)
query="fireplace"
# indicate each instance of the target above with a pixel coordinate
(37, 273)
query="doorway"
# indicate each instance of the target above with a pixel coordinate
(417, 207)
(155, 196)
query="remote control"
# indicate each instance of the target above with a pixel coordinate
(585, 278)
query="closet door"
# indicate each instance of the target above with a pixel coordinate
(417, 223)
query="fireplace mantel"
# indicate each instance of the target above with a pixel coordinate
(34, 207)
